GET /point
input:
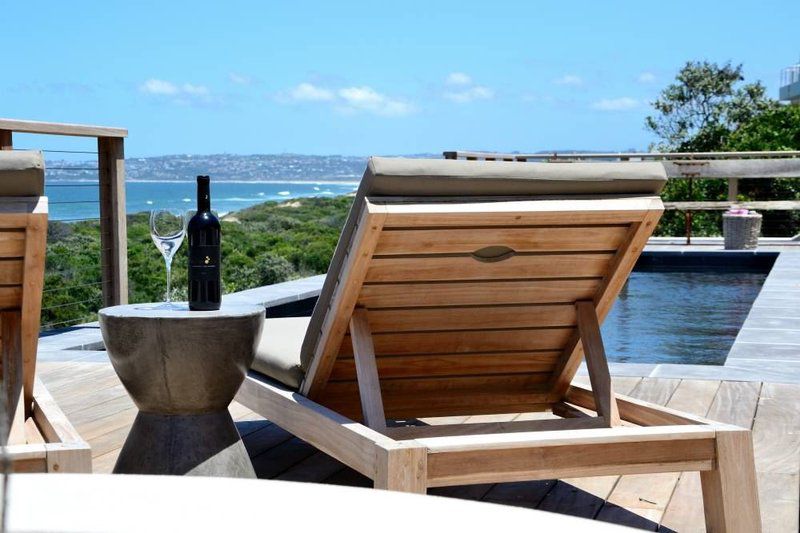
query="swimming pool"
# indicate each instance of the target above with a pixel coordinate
(679, 316)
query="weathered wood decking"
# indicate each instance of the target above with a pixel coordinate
(91, 395)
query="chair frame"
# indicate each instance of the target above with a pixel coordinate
(598, 433)
(40, 438)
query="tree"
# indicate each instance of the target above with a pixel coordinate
(774, 129)
(700, 112)
(705, 104)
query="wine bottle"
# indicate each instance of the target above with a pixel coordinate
(205, 292)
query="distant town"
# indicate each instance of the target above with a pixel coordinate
(278, 167)
(232, 167)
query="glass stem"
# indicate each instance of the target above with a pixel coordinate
(169, 279)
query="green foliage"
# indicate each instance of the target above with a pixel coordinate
(705, 104)
(265, 244)
(774, 129)
(273, 269)
(704, 223)
(777, 128)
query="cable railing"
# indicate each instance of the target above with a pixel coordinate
(692, 168)
(86, 264)
(72, 294)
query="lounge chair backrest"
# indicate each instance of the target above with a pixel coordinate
(469, 273)
(23, 232)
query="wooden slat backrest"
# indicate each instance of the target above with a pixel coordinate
(472, 305)
(23, 233)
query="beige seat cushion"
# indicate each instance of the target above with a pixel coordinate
(278, 352)
(21, 173)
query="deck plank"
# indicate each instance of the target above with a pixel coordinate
(655, 390)
(314, 469)
(735, 403)
(648, 495)
(585, 496)
(776, 431)
(776, 441)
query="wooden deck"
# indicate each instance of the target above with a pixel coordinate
(89, 392)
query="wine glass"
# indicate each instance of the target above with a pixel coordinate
(168, 228)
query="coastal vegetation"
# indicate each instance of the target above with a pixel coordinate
(261, 245)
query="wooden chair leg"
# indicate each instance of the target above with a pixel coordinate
(403, 468)
(12, 378)
(730, 493)
(596, 363)
(369, 386)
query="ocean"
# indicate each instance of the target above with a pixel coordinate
(72, 200)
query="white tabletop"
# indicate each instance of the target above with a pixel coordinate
(180, 311)
(121, 503)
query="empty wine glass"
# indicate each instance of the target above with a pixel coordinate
(168, 228)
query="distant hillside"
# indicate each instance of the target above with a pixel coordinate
(278, 167)
(257, 167)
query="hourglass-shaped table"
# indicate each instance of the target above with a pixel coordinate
(182, 369)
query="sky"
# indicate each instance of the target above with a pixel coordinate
(364, 78)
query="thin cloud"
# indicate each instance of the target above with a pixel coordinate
(461, 89)
(458, 78)
(240, 79)
(477, 92)
(184, 93)
(348, 100)
(369, 100)
(159, 87)
(624, 103)
(569, 79)
(307, 92)
(646, 77)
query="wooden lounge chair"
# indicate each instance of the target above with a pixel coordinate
(462, 288)
(39, 437)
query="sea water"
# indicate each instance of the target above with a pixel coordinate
(77, 200)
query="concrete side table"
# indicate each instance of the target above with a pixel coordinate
(182, 368)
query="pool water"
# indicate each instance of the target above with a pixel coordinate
(679, 317)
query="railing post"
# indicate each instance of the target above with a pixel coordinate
(113, 224)
(5, 140)
(733, 189)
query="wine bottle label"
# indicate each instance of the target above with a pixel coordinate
(204, 256)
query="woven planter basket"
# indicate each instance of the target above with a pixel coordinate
(741, 231)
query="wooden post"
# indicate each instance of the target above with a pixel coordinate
(596, 362)
(402, 467)
(369, 387)
(730, 493)
(12, 378)
(35, 254)
(5, 140)
(733, 189)
(687, 222)
(113, 223)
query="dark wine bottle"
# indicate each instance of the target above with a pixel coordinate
(205, 291)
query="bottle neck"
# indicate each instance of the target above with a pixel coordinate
(203, 196)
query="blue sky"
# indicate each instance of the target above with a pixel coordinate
(373, 77)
